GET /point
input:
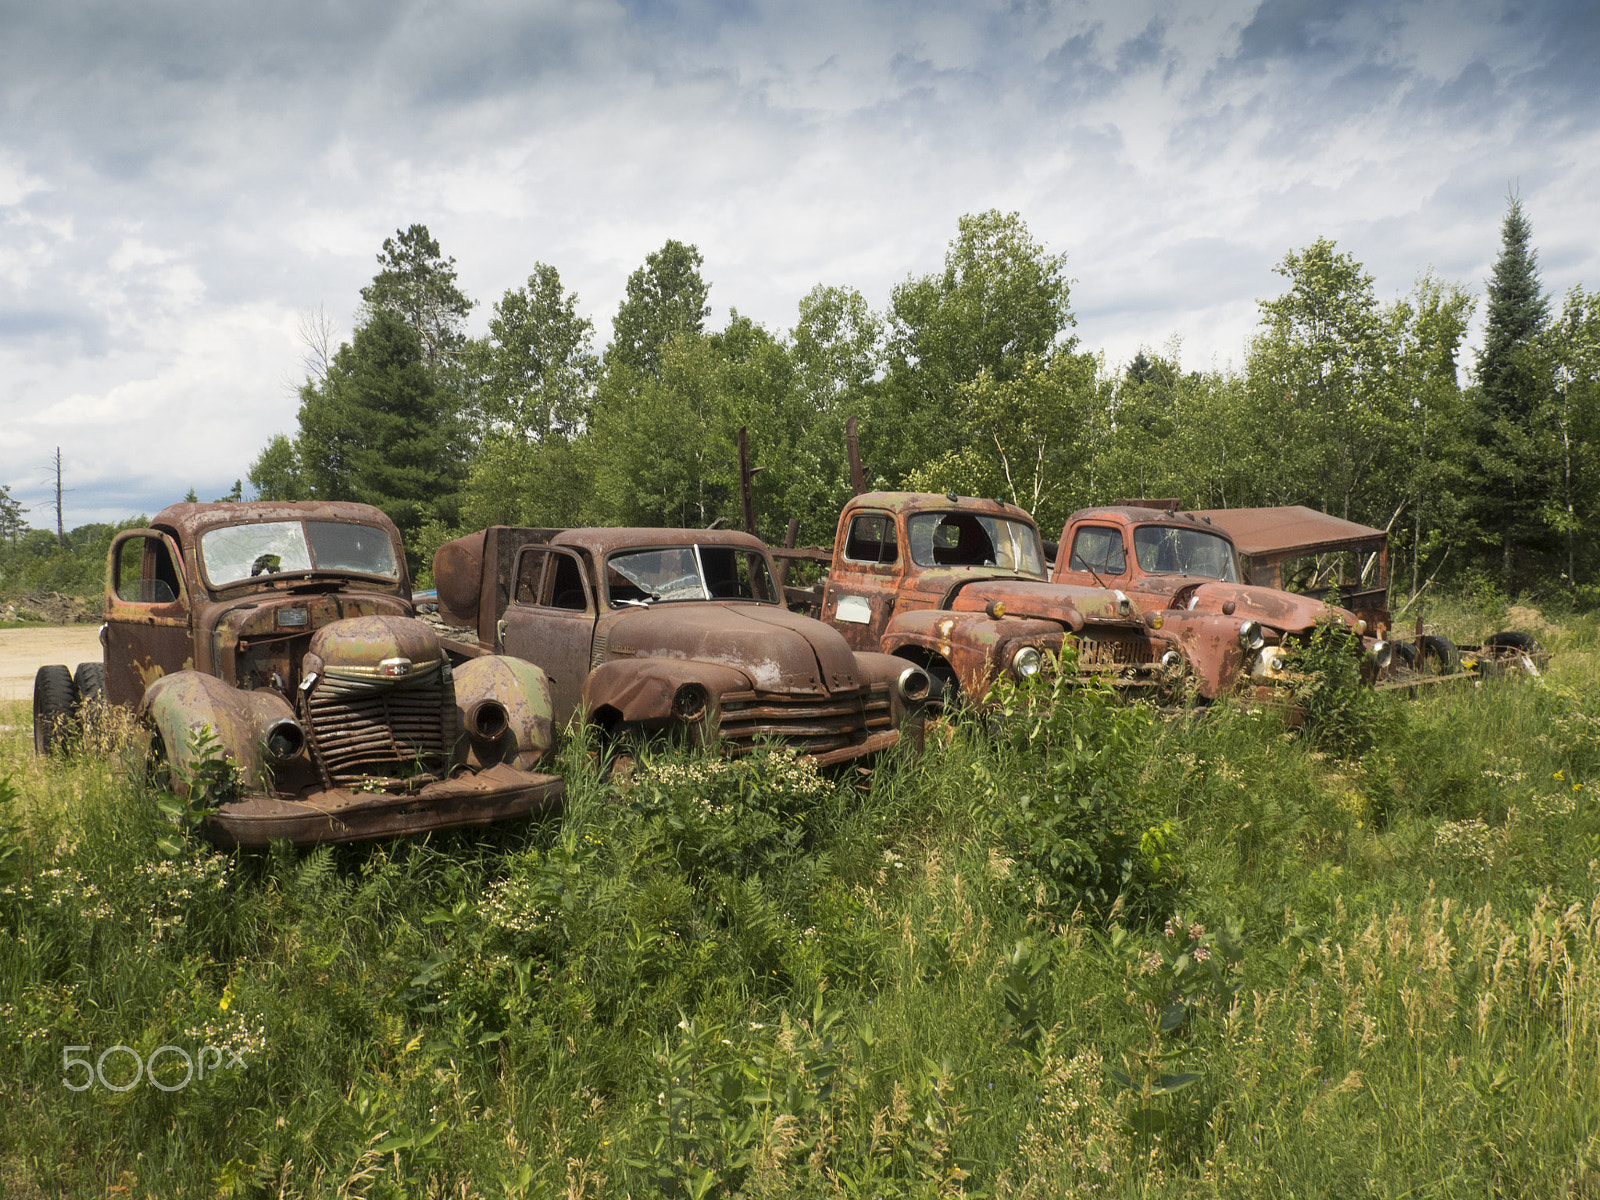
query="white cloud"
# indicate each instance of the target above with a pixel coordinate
(176, 184)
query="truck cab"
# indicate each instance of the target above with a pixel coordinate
(958, 585)
(1170, 561)
(281, 636)
(674, 630)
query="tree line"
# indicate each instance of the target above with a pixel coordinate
(970, 379)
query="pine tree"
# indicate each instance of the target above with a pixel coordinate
(1513, 379)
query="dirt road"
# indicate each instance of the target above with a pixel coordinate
(24, 651)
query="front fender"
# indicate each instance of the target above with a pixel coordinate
(641, 689)
(183, 704)
(523, 690)
(1210, 643)
(977, 647)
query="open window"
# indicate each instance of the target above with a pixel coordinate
(144, 568)
(872, 539)
(551, 577)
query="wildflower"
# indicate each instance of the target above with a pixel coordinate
(1196, 930)
(1202, 955)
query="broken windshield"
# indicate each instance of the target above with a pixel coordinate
(964, 539)
(1170, 550)
(687, 573)
(237, 552)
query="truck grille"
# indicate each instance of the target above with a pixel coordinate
(811, 724)
(1100, 651)
(389, 731)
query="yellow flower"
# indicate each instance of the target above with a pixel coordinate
(1558, 774)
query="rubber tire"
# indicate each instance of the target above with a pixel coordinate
(1439, 655)
(1405, 654)
(55, 701)
(90, 680)
(1512, 639)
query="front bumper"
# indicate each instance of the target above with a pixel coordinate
(321, 816)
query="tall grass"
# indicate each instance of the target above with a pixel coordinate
(1199, 956)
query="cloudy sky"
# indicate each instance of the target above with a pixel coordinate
(180, 182)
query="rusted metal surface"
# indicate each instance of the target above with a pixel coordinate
(1269, 539)
(968, 609)
(300, 670)
(715, 655)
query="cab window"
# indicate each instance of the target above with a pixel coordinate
(146, 573)
(872, 539)
(550, 579)
(1097, 548)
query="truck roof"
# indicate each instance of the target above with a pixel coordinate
(913, 501)
(1289, 527)
(191, 520)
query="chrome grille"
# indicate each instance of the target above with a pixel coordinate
(390, 731)
(811, 724)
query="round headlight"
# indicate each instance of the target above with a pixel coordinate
(1381, 654)
(1155, 620)
(689, 704)
(1361, 626)
(1172, 660)
(1026, 662)
(1250, 636)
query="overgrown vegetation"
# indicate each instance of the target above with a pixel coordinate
(1081, 949)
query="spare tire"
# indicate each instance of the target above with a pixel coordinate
(55, 699)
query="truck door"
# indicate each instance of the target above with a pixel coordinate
(148, 632)
(861, 589)
(550, 620)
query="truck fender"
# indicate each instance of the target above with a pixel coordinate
(977, 646)
(642, 690)
(522, 692)
(1210, 644)
(183, 704)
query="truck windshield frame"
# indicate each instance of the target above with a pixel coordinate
(680, 573)
(1180, 550)
(970, 539)
(260, 550)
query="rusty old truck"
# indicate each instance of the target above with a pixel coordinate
(1169, 561)
(682, 631)
(272, 651)
(958, 586)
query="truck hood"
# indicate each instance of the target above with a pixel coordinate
(1283, 611)
(777, 650)
(1072, 605)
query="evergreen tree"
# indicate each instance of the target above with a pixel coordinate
(1513, 381)
(1517, 312)
(379, 430)
(418, 284)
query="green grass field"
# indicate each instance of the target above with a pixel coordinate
(1083, 951)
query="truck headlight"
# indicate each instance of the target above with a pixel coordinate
(915, 685)
(1172, 660)
(1026, 662)
(1272, 661)
(1251, 637)
(690, 702)
(1381, 654)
